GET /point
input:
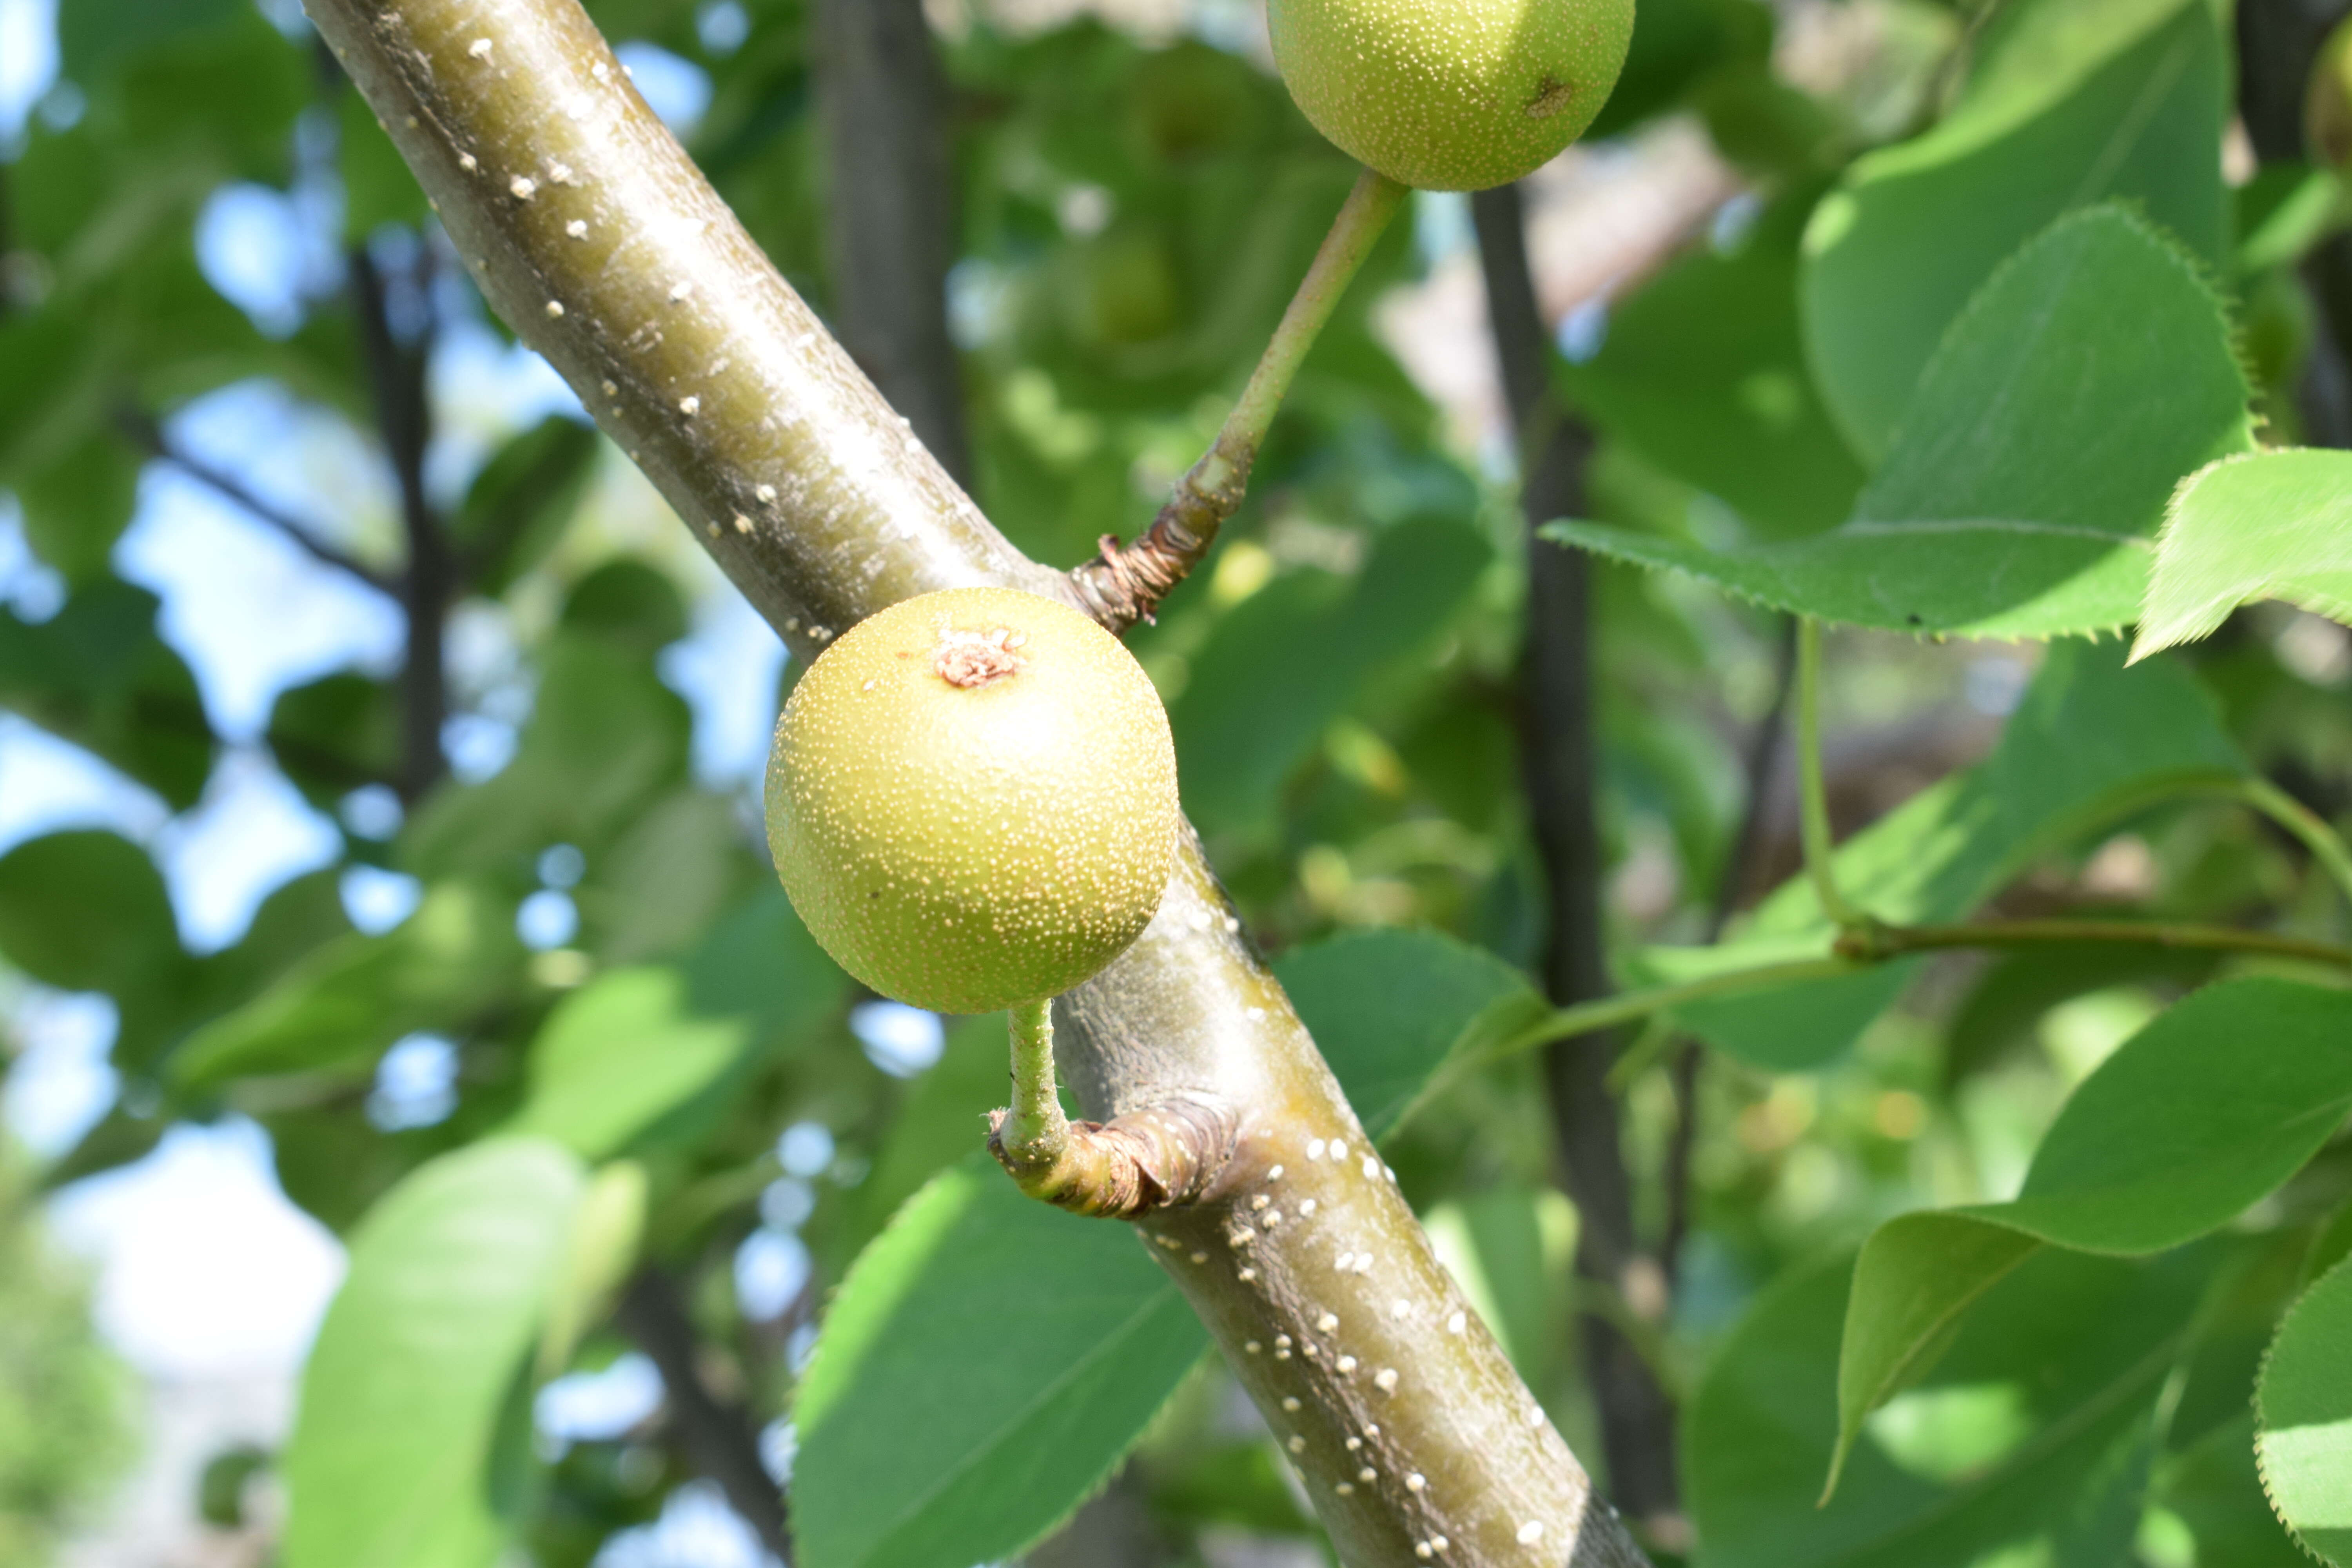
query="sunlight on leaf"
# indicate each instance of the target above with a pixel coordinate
(986, 1364)
(2090, 373)
(2175, 1135)
(2274, 525)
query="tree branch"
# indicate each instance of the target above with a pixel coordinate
(1871, 943)
(1561, 766)
(142, 432)
(597, 239)
(718, 1437)
(884, 98)
(397, 379)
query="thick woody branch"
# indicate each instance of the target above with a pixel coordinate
(598, 241)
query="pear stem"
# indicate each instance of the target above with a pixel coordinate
(1124, 585)
(1035, 1133)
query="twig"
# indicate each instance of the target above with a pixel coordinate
(1124, 585)
(1614, 1012)
(149, 437)
(1873, 943)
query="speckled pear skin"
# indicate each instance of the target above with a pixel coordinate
(967, 847)
(1451, 95)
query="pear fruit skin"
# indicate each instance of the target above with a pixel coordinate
(971, 799)
(1451, 95)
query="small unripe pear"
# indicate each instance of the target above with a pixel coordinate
(972, 799)
(1451, 95)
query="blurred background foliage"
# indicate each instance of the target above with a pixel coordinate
(352, 864)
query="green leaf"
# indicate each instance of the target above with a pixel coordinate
(343, 1004)
(2073, 103)
(2271, 525)
(2030, 1444)
(1389, 1009)
(1703, 372)
(2214, 1489)
(97, 674)
(626, 1059)
(2175, 1135)
(336, 733)
(77, 505)
(600, 1250)
(666, 877)
(985, 1365)
(2004, 1007)
(2282, 212)
(605, 737)
(760, 963)
(2091, 741)
(92, 35)
(86, 912)
(1239, 730)
(2086, 377)
(334, 1164)
(942, 1120)
(413, 1443)
(2305, 1407)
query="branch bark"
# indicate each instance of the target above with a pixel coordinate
(1561, 765)
(594, 234)
(883, 98)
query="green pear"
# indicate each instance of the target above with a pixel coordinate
(1451, 95)
(971, 799)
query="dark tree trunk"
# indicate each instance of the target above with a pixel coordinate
(1559, 761)
(396, 368)
(884, 101)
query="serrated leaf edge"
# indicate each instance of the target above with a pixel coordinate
(2200, 626)
(2262, 1428)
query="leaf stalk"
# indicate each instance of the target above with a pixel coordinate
(1821, 845)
